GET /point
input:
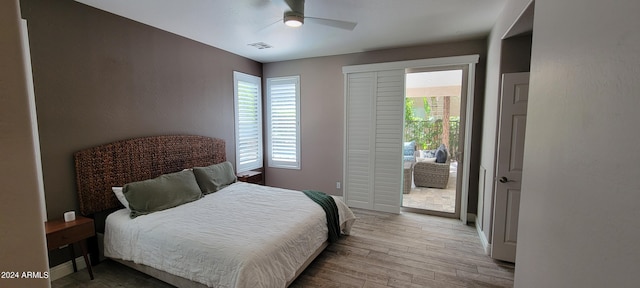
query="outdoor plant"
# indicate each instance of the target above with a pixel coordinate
(427, 133)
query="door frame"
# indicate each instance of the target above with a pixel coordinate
(464, 95)
(469, 61)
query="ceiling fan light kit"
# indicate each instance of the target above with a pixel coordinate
(293, 19)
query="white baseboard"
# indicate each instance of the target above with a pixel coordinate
(66, 268)
(483, 239)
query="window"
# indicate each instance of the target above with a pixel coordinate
(248, 121)
(283, 122)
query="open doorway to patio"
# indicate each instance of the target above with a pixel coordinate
(434, 108)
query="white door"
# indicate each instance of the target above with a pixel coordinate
(513, 122)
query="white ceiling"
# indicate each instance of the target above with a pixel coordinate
(232, 25)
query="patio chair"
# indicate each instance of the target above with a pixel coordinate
(431, 174)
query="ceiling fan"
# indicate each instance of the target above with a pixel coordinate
(295, 17)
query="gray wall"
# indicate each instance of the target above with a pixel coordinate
(322, 111)
(22, 240)
(101, 78)
(581, 186)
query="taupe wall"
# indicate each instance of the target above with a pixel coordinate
(322, 111)
(22, 240)
(100, 78)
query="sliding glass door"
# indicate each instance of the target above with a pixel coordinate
(434, 113)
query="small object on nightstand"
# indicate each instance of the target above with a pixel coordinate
(61, 233)
(69, 216)
(254, 177)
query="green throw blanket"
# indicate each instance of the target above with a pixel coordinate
(329, 205)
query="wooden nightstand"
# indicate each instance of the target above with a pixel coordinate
(60, 233)
(254, 177)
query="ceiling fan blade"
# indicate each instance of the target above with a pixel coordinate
(346, 25)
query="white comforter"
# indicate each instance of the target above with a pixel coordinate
(244, 235)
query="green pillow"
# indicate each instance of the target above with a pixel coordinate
(215, 177)
(163, 192)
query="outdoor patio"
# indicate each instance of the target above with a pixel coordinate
(432, 121)
(443, 200)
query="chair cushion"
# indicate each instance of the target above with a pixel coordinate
(409, 148)
(427, 160)
(428, 153)
(441, 154)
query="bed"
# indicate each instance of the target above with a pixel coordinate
(244, 235)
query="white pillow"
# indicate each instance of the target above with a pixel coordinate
(120, 196)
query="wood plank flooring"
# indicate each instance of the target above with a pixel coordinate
(384, 250)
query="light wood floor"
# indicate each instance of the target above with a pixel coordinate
(384, 250)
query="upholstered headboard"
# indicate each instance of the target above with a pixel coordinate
(115, 164)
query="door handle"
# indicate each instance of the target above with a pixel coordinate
(504, 180)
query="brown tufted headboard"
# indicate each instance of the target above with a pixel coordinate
(115, 164)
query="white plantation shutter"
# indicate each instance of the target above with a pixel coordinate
(358, 182)
(389, 108)
(283, 122)
(248, 121)
(374, 117)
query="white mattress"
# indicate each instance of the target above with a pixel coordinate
(244, 235)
